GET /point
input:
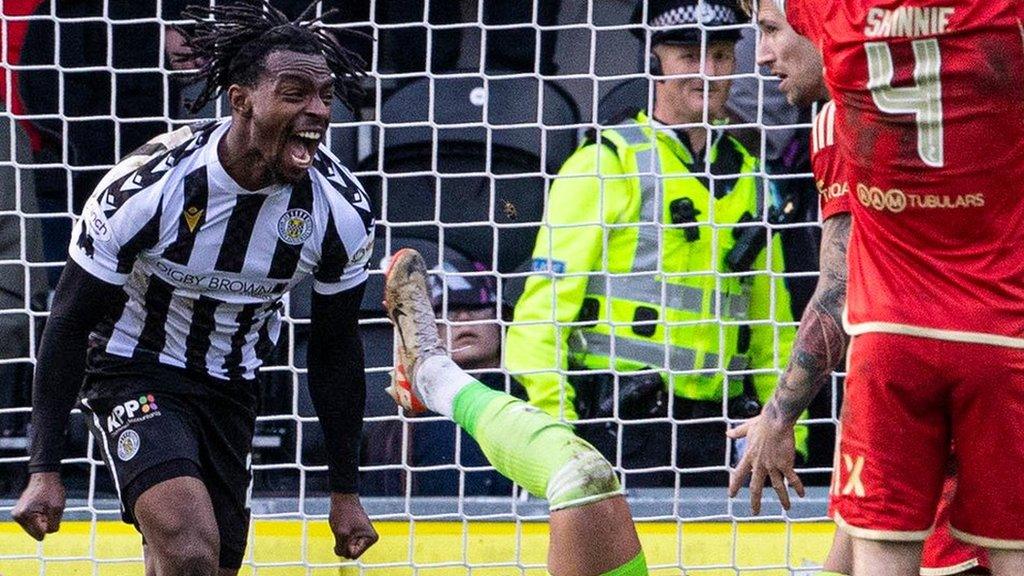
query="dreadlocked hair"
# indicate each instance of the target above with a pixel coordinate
(232, 40)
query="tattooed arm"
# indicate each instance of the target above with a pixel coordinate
(820, 344)
(819, 348)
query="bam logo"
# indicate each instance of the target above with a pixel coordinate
(134, 410)
(852, 469)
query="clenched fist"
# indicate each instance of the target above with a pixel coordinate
(41, 505)
(353, 532)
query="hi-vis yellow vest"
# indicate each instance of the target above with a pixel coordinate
(618, 286)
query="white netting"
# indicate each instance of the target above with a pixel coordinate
(457, 143)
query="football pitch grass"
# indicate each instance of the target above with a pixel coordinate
(291, 547)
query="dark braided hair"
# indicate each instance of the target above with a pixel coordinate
(232, 40)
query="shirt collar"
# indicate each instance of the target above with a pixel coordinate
(680, 146)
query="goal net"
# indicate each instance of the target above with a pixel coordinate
(470, 110)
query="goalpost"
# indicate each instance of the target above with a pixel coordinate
(461, 154)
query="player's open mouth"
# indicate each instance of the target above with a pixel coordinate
(302, 147)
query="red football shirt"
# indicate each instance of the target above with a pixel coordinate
(833, 186)
(929, 119)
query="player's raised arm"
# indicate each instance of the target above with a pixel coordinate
(80, 302)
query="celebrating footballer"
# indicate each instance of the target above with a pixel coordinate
(171, 298)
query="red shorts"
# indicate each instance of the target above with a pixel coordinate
(943, 554)
(907, 399)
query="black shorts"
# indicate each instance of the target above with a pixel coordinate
(156, 422)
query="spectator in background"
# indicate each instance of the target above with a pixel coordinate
(16, 29)
(472, 330)
(17, 193)
(756, 99)
(103, 115)
(649, 278)
(19, 240)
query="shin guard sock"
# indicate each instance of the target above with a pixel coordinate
(438, 381)
(635, 567)
(533, 449)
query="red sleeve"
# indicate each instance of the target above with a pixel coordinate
(829, 176)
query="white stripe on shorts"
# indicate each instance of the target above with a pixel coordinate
(105, 445)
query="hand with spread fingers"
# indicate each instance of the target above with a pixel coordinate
(353, 532)
(41, 505)
(771, 454)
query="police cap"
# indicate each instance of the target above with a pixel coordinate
(682, 21)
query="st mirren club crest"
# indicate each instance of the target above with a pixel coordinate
(295, 226)
(128, 445)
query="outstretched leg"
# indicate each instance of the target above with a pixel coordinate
(592, 531)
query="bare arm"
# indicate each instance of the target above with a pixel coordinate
(820, 344)
(819, 348)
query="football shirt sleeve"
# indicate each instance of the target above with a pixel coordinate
(347, 245)
(80, 302)
(118, 222)
(829, 174)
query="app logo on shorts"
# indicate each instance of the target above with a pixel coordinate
(127, 445)
(147, 403)
(135, 410)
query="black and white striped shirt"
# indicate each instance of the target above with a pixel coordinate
(204, 263)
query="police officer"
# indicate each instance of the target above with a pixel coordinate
(654, 270)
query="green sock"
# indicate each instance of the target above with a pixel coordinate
(635, 567)
(533, 449)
